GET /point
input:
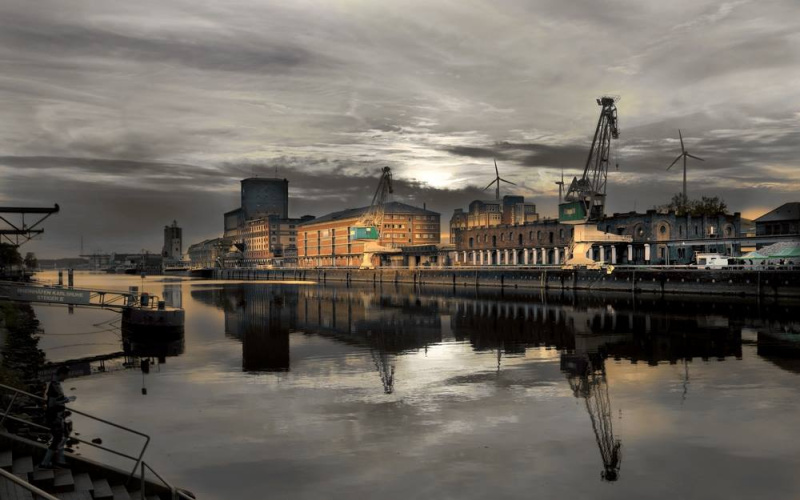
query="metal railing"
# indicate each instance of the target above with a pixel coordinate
(175, 493)
(26, 485)
(18, 392)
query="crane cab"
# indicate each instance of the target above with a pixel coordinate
(364, 233)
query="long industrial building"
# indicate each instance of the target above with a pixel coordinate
(326, 240)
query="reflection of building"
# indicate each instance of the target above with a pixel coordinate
(326, 241)
(173, 242)
(262, 319)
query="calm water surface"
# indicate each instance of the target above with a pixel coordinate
(306, 391)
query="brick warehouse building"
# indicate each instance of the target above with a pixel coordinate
(325, 241)
(658, 238)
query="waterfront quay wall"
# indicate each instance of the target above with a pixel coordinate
(771, 283)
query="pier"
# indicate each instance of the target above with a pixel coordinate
(634, 279)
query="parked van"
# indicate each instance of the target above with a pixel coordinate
(711, 261)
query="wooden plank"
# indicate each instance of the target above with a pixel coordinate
(120, 493)
(22, 465)
(102, 490)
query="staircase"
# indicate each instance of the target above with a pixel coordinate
(82, 479)
(64, 484)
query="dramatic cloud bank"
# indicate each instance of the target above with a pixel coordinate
(132, 114)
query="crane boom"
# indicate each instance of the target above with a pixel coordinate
(586, 197)
(370, 223)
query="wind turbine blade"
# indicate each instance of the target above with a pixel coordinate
(507, 182)
(490, 185)
(676, 161)
(679, 135)
(695, 157)
(495, 168)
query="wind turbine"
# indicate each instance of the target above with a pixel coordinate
(497, 180)
(561, 186)
(683, 155)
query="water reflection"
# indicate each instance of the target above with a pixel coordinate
(391, 321)
(586, 330)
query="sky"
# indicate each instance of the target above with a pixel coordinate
(132, 114)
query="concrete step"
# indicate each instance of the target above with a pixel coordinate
(101, 490)
(83, 482)
(74, 495)
(6, 460)
(43, 478)
(63, 482)
(120, 493)
(22, 465)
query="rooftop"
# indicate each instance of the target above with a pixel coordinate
(787, 211)
(354, 213)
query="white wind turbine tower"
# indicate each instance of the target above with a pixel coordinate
(684, 154)
(497, 180)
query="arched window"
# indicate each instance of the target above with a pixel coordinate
(539, 235)
(494, 240)
(470, 242)
(550, 237)
(561, 232)
(502, 237)
(519, 239)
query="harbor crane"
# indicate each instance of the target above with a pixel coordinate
(584, 203)
(586, 374)
(369, 225)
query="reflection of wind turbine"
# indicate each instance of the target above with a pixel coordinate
(561, 186)
(684, 154)
(497, 180)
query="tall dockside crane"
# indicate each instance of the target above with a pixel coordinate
(587, 378)
(369, 225)
(585, 200)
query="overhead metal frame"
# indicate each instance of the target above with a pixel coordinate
(20, 233)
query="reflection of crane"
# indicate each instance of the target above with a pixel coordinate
(585, 201)
(497, 180)
(384, 362)
(368, 228)
(587, 378)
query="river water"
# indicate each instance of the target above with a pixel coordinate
(307, 391)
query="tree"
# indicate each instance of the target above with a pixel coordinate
(31, 262)
(9, 255)
(696, 208)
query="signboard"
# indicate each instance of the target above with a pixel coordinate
(47, 294)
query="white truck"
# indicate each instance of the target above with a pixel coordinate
(711, 261)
